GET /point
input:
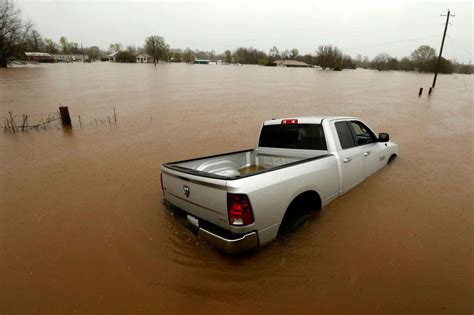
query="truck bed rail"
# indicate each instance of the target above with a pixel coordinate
(189, 171)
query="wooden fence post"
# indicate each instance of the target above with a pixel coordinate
(65, 118)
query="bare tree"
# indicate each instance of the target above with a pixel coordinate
(176, 55)
(406, 64)
(94, 53)
(328, 56)
(380, 62)
(13, 32)
(348, 63)
(188, 55)
(50, 46)
(228, 56)
(64, 44)
(35, 42)
(274, 54)
(308, 58)
(422, 55)
(294, 53)
(132, 49)
(115, 47)
(285, 54)
(74, 48)
(156, 47)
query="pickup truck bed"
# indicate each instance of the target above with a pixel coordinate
(243, 163)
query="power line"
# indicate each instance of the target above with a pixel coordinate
(456, 42)
(390, 42)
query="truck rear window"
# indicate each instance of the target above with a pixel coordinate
(293, 136)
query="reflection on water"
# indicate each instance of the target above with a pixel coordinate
(82, 227)
(68, 131)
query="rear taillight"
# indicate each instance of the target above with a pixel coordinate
(161, 181)
(240, 210)
(289, 122)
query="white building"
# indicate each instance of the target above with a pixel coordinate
(112, 57)
(144, 58)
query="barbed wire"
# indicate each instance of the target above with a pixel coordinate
(12, 126)
(35, 114)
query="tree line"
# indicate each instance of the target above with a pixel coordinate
(422, 59)
(17, 37)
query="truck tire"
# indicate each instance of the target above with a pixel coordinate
(299, 212)
(392, 157)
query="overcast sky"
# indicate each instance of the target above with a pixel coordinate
(356, 27)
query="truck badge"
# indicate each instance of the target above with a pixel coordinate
(186, 191)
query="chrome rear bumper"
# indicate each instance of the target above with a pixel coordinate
(222, 240)
(245, 243)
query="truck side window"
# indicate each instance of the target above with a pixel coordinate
(362, 133)
(345, 135)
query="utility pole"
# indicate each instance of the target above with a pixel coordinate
(442, 45)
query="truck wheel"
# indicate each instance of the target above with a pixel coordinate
(392, 157)
(299, 212)
(293, 220)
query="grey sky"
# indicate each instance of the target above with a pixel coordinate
(357, 27)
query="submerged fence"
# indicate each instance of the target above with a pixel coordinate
(13, 124)
(20, 123)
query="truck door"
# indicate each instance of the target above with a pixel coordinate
(352, 162)
(372, 151)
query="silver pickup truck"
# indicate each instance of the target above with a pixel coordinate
(243, 200)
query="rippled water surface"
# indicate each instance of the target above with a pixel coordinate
(83, 229)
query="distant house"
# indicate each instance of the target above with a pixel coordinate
(39, 57)
(69, 58)
(112, 56)
(202, 62)
(291, 63)
(144, 58)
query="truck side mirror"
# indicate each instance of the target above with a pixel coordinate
(383, 137)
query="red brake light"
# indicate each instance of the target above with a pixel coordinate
(289, 122)
(240, 210)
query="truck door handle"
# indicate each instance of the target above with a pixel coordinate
(347, 160)
(366, 153)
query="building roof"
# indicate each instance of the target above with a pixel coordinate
(291, 63)
(78, 56)
(143, 56)
(113, 54)
(37, 54)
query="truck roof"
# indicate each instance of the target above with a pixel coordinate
(305, 119)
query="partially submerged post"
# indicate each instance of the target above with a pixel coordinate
(420, 92)
(13, 123)
(65, 118)
(24, 126)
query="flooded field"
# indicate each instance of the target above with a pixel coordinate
(83, 229)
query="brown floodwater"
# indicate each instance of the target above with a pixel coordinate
(83, 229)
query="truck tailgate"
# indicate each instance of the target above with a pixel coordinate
(205, 198)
